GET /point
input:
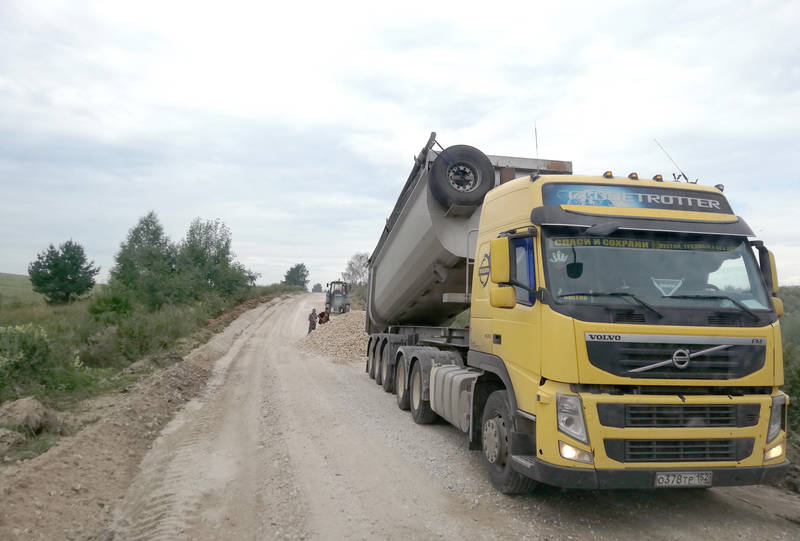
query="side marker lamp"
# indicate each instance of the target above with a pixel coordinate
(573, 453)
(658, 178)
(634, 176)
(772, 454)
(608, 174)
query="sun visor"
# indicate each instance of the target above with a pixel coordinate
(555, 215)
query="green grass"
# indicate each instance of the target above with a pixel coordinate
(16, 290)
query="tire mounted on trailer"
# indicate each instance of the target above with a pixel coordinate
(461, 175)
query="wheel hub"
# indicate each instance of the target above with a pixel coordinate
(462, 177)
(494, 440)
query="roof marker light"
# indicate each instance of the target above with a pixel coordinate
(658, 178)
(608, 174)
(720, 187)
(634, 176)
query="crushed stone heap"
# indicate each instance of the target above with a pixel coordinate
(343, 338)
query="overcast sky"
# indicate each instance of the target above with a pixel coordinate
(296, 123)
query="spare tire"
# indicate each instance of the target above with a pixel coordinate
(461, 175)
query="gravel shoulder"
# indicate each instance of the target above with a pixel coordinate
(284, 443)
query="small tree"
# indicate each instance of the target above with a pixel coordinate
(62, 274)
(146, 263)
(297, 276)
(317, 288)
(357, 271)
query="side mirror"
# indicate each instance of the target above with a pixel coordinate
(774, 272)
(503, 297)
(574, 270)
(777, 303)
(499, 255)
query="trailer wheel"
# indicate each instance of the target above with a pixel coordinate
(461, 175)
(420, 409)
(400, 384)
(496, 424)
(371, 360)
(378, 368)
(386, 375)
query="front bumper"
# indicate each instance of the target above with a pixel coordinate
(550, 474)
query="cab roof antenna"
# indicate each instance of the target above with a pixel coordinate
(536, 140)
(682, 174)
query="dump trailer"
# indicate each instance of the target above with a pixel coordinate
(623, 333)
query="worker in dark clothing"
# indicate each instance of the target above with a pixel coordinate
(312, 320)
(324, 317)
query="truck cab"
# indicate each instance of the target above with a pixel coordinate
(638, 329)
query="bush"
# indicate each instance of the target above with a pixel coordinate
(24, 349)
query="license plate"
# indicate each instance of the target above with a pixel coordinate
(683, 479)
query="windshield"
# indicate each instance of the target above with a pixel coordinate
(659, 269)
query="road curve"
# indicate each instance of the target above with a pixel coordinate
(287, 444)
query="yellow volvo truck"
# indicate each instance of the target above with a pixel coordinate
(623, 333)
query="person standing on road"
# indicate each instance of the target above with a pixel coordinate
(312, 320)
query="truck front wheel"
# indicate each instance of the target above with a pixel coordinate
(496, 425)
(420, 409)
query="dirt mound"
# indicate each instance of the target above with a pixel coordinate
(343, 338)
(26, 414)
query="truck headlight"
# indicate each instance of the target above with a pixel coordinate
(776, 417)
(570, 416)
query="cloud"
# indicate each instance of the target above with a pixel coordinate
(296, 124)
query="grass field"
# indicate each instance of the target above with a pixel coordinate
(15, 290)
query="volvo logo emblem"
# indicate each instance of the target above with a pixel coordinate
(680, 358)
(484, 270)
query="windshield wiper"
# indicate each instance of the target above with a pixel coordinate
(614, 294)
(738, 304)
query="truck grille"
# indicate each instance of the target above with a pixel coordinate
(620, 358)
(678, 415)
(715, 450)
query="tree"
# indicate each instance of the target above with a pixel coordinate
(317, 288)
(146, 263)
(297, 276)
(62, 274)
(205, 257)
(357, 271)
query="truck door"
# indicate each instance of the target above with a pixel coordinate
(516, 331)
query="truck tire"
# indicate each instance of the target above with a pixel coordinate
(377, 368)
(387, 374)
(420, 408)
(461, 175)
(400, 384)
(370, 361)
(496, 424)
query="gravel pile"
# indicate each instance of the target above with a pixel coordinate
(343, 338)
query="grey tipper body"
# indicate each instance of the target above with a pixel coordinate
(424, 249)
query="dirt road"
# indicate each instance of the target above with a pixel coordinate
(286, 444)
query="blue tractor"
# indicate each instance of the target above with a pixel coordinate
(336, 299)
